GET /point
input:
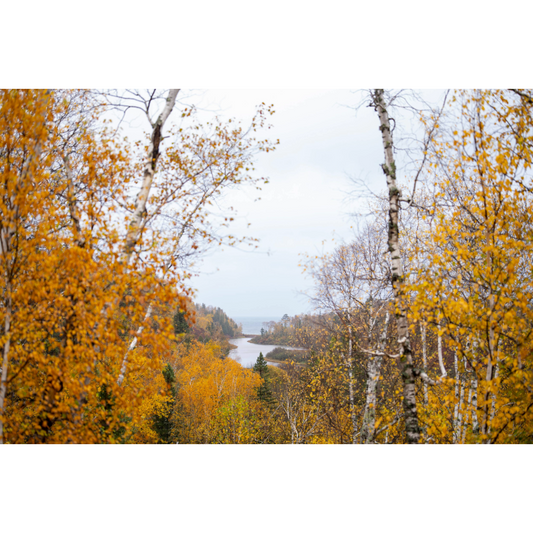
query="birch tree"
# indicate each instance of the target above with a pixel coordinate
(397, 275)
(90, 262)
(476, 278)
(352, 283)
(23, 129)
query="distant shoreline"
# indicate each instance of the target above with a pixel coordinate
(279, 363)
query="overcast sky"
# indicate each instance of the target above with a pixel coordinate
(306, 208)
(323, 142)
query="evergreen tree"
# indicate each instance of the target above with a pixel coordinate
(162, 424)
(263, 391)
(180, 324)
(107, 402)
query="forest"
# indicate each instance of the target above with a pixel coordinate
(421, 325)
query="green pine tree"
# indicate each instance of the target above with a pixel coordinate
(180, 324)
(263, 391)
(162, 425)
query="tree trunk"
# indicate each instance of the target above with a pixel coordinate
(135, 228)
(425, 360)
(406, 355)
(459, 397)
(493, 403)
(489, 376)
(139, 213)
(350, 384)
(439, 352)
(475, 420)
(132, 345)
(374, 368)
(5, 358)
(467, 411)
(456, 396)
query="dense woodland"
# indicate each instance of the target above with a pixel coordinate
(208, 324)
(278, 332)
(421, 330)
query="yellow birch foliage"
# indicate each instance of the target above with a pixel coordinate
(63, 276)
(78, 307)
(157, 402)
(216, 397)
(476, 281)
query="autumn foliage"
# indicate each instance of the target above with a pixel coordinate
(100, 339)
(96, 238)
(466, 250)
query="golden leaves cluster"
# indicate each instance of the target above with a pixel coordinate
(76, 311)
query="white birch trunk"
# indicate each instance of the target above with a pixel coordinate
(439, 352)
(132, 345)
(369, 419)
(73, 208)
(475, 420)
(374, 368)
(493, 403)
(424, 360)
(456, 395)
(474, 385)
(489, 376)
(467, 411)
(491, 356)
(461, 420)
(350, 384)
(406, 355)
(461, 409)
(134, 230)
(5, 358)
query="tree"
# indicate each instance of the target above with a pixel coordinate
(263, 391)
(97, 237)
(180, 322)
(352, 283)
(49, 266)
(216, 397)
(397, 276)
(162, 423)
(475, 278)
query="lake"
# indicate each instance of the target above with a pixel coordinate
(251, 325)
(247, 353)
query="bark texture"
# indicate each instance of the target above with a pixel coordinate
(135, 227)
(439, 352)
(425, 360)
(350, 384)
(374, 369)
(5, 358)
(406, 355)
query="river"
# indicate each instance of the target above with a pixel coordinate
(247, 353)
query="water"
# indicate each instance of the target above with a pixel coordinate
(251, 325)
(247, 353)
